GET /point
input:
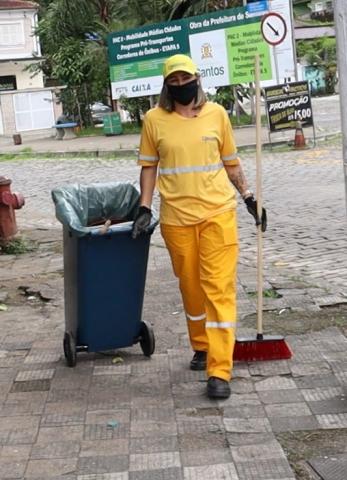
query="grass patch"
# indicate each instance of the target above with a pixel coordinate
(271, 293)
(302, 446)
(24, 153)
(116, 155)
(5, 157)
(274, 148)
(17, 246)
(300, 322)
(90, 132)
(267, 293)
(129, 128)
(132, 128)
(331, 140)
(246, 120)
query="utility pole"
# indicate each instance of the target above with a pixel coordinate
(340, 15)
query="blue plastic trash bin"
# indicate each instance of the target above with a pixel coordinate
(104, 284)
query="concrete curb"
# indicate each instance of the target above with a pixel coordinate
(290, 143)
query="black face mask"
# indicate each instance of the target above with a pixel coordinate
(183, 94)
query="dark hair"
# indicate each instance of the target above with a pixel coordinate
(167, 103)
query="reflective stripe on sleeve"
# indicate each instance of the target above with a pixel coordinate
(148, 158)
(220, 324)
(195, 318)
(195, 168)
(234, 156)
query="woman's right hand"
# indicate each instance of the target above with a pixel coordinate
(141, 221)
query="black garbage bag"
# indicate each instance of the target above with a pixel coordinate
(80, 207)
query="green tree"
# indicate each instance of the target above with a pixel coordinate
(74, 48)
(320, 52)
(74, 40)
(187, 8)
(74, 43)
(136, 107)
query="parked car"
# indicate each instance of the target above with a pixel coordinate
(98, 110)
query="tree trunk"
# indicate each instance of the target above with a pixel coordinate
(81, 123)
(88, 111)
(237, 104)
(251, 97)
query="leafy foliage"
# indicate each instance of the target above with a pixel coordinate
(64, 29)
(136, 107)
(73, 35)
(226, 96)
(318, 51)
(17, 246)
(187, 8)
(74, 40)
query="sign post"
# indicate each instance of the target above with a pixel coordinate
(341, 37)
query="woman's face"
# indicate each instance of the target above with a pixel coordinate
(180, 78)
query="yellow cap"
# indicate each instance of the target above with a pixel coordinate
(179, 63)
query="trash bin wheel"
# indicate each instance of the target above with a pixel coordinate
(147, 341)
(69, 349)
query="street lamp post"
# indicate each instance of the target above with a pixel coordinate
(340, 15)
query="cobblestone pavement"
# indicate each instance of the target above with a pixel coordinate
(303, 191)
(124, 417)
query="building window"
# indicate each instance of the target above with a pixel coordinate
(8, 82)
(11, 34)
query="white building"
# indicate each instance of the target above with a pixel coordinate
(26, 107)
(320, 6)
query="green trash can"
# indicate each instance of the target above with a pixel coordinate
(112, 124)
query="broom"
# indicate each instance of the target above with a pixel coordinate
(262, 347)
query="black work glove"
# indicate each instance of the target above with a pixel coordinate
(141, 221)
(251, 204)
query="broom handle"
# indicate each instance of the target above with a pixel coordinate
(259, 202)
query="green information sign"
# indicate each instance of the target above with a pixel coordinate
(146, 68)
(243, 43)
(222, 43)
(218, 20)
(150, 42)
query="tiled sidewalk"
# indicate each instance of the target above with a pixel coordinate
(149, 419)
(141, 419)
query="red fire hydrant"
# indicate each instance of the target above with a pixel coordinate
(9, 202)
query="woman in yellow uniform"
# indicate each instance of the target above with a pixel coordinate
(188, 144)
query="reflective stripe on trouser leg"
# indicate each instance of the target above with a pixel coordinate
(183, 246)
(218, 261)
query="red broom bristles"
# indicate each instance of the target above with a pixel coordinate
(270, 347)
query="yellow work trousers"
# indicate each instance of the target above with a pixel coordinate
(204, 258)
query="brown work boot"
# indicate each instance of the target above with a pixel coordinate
(198, 361)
